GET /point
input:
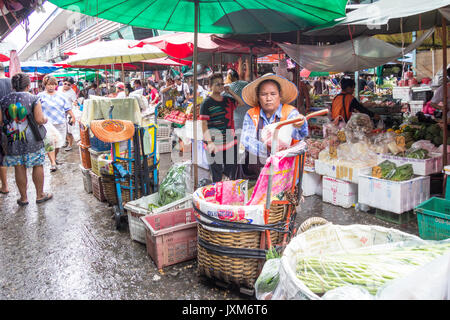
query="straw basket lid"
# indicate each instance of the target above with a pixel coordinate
(289, 91)
(112, 130)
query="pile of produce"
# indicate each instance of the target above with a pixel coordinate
(368, 267)
(422, 128)
(388, 170)
(314, 148)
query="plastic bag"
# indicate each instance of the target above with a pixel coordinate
(348, 293)
(268, 279)
(284, 135)
(425, 144)
(430, 282)
(52, 138)
(176, 184)
(358, 127)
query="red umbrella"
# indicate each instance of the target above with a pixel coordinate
(168, 62)
(305, 73)
(3, 58)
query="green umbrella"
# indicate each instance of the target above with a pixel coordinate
(213, 16)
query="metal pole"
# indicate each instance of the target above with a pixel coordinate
(357, 85)
(414, 54)
(444, 84)
(297, 74)
(195, 94)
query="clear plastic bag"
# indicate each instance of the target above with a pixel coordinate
(268, 280)
(284, 137)
(52, 138)
(176, 184)
(358, 127)
(424, 144)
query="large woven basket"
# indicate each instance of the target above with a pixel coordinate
(241, 271)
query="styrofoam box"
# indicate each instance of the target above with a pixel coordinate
(139, 208)
(421, 167)
(415, 106)
(403, 93)
(339, 192)
(334, 170)
(393, 196)
(311, 184)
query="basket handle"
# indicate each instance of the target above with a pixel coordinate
(312, 222)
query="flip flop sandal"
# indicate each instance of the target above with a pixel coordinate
(47, 197)
(3, 192)
(22, 203)
(53, 168)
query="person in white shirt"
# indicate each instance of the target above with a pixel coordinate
(183, 92)
(71, 97)
(120, 90)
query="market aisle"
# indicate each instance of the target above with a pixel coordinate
(69, 248)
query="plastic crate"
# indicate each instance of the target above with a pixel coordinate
(98, 145)
(164, 146)
(402, 218)
(164, 129)
(95, 164)
(136, 209)
(86, 179)
(415, 106)
(433, 218)
(171, 237)
(97, 187)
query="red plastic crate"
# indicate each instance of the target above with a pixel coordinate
(171, 237)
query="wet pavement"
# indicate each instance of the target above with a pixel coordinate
(69, 248)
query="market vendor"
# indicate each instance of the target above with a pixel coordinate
(437, 101)
(345, 103)
(216, 115)
(269, 97)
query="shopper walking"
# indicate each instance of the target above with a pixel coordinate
(5, 89)
(24, 149)
(55, 107)
(71, 96)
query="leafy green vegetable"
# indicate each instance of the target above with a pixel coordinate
(387, 169)
(403, 173)
(174, 185)
(417, 154)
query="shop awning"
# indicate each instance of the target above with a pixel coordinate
(388, 17)
(349, 56)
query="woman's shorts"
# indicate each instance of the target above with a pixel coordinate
(28, 160)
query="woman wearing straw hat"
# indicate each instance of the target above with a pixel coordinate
(269, 96)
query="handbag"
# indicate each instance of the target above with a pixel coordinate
(38, 131)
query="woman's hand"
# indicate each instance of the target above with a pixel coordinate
(211, 147)
(298, 125)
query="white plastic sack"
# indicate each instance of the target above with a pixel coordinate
(327, 239)
(268, 279)
(284, 135)
(348, 293)
(53, 138)
(430, 282)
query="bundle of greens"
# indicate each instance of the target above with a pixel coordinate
(403, 173)
(417, 154)
(387, 169)
(270, 276)
(174, 185)
(369, 268)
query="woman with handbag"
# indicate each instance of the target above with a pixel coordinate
(22, 120)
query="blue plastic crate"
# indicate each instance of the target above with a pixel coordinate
(98, 145)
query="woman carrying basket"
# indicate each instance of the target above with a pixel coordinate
(269, 97)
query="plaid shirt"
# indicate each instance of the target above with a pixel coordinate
(249, 137)
(54, 107)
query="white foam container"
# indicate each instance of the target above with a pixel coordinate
(335, 170)
(311, 184)
(339, 192)
(393, 196)
(421, 167)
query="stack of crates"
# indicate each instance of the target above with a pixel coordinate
(163, 137)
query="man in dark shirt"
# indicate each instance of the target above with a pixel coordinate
(345, 103)
(217, 116)
(5, 89)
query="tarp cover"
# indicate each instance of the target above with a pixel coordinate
(349, 56)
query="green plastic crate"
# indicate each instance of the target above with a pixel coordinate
(402, 218)
(433, 218)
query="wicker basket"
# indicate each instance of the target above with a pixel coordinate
(85, 156)
(84, 135)
(109, 189)
(241, 271)
(94, 160)
(97, 188)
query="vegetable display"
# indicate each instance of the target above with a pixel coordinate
(369, 268)
(389, 171)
